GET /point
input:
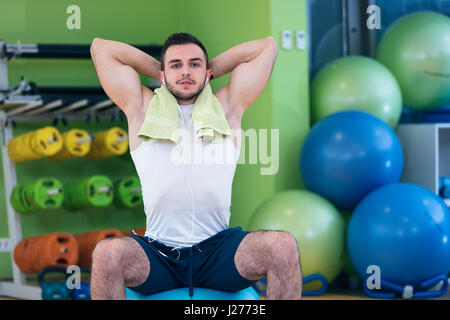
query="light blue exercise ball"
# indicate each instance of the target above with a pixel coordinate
(199, 294)
(403, 229)
(348, 154)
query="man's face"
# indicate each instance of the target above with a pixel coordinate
(185, 71)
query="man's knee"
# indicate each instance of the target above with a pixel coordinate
(122, 257)
(283, 246)
(107, 253)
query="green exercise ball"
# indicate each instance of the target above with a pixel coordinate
(315, 223)
(356, 83)
(416, 48)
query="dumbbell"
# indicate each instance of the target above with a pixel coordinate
(95, 191)
(112, 142)
(76, 143)
(128, 192)
(44, 142)
(43, 194)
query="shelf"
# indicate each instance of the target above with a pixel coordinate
(426, 152)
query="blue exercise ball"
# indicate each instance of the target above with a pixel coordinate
(348, 154)
(199, 294)
(403, 229)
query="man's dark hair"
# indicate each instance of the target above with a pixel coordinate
(182, 38)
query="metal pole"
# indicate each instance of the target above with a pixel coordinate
(4, 84)
(357, 37)
(345, 28)
(60, 51)
(9, 174)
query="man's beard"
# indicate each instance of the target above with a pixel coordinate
(178, 94)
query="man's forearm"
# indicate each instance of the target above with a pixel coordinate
(244, 52)
(137, 59)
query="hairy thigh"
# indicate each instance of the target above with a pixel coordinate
(256, 253)
(124, 255)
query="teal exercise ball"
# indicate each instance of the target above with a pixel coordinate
(199, 294)
(416, 49)
(315, 223)
(356, 83)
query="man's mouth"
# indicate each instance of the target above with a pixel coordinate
(186, 83)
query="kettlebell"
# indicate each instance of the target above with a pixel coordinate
(55, 290)
(83, 293)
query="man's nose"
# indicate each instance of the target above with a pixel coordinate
(185, 71)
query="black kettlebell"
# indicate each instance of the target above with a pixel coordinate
(55, 290)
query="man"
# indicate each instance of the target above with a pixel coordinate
(170, 255)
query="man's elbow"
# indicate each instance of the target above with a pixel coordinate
(98, 46)
(93, 45)
(272, 43)
(96, 43)
(273, 46)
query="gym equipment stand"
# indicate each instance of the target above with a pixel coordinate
(30, 103)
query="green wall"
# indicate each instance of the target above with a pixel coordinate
(282, 105)
(44, 21)
(219, 25)
(290, 101)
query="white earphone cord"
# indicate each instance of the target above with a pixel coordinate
(190, 189)
(192, 196)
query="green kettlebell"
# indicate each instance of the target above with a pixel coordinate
(55, 290)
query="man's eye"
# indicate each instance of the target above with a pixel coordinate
(195, 64)
(175, 65)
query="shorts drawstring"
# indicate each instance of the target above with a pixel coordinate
(190, 280)
(191, 267)
(190, 262)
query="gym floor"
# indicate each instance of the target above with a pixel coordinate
(331, 295)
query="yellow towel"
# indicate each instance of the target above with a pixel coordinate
(162, 117)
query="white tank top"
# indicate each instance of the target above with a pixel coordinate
(186, 188)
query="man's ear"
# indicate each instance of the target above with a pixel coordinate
(161, 77)
(209, 76)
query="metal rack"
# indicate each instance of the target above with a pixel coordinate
(427, 148)
(27, 102)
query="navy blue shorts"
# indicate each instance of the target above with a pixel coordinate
(208, 264)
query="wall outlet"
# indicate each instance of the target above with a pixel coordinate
(286, 39)
(301, 41)
(5, 245)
